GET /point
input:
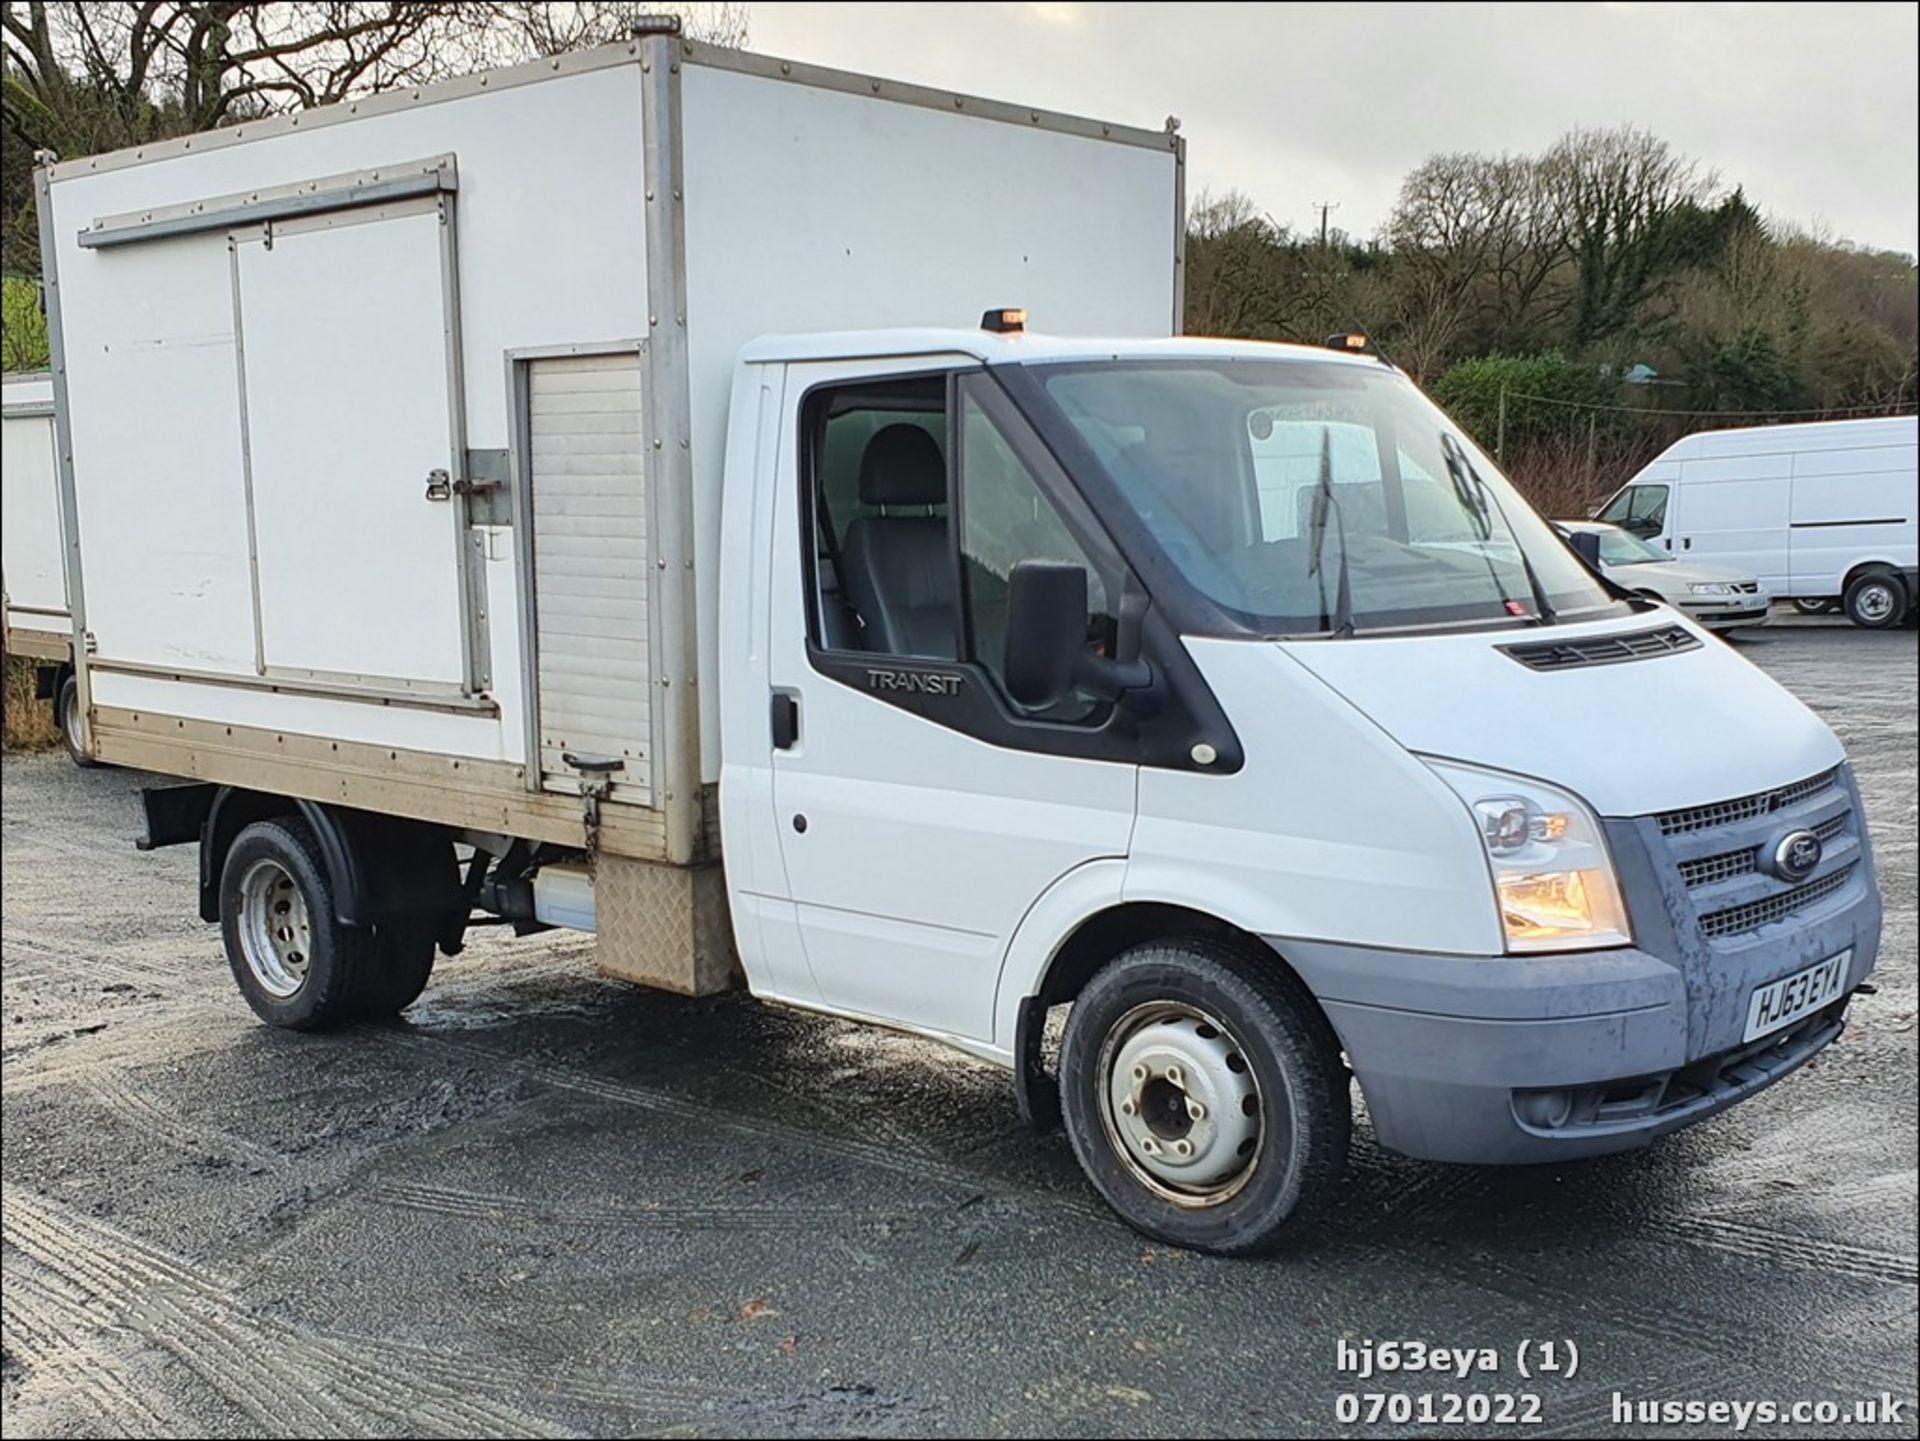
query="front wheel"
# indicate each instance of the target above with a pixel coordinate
(1821, 605)
(1877, 601)
(1204, 1094)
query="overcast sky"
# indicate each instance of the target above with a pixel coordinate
(1811, 106)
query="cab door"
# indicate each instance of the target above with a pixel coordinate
(919, 813)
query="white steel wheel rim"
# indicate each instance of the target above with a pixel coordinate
(70, 714)
(1180, 1104)
(276, 930)
(1875, 601)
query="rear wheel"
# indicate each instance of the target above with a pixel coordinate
(73, 723)
(1876, 600)
(1822, 605)
(402, 962)
(1204, 1095)
(292, 959)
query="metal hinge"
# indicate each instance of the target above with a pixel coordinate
(439, 485)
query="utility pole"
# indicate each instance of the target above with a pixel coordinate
(1323, 206)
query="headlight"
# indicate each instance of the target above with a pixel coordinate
(1710, 587)
(1552, 877)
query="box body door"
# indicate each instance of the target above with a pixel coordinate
(350, 434)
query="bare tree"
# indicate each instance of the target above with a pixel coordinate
(1441, 233)
(1234, 282)
(1475, 243)
(527, 29)
(200, 63)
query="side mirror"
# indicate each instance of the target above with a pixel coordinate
(1047, 655)
(1046, 630)
(1586, 545)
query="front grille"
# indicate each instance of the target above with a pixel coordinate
(1726, 813)
(1603, 649)
(1724, 867)
(1735, 920)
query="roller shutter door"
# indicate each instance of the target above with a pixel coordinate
(590, 523)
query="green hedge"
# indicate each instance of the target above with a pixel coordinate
(1470, 392)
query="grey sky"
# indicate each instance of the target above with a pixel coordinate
(1811, 106)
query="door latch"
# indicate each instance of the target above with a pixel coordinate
(785, 717)
(439, 485)
(596, 779)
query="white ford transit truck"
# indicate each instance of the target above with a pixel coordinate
(589, 495)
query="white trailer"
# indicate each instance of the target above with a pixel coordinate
(33, 549)
(454, 513)
(1822, 512)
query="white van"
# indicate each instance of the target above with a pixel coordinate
(676, 553)
(1816, 512)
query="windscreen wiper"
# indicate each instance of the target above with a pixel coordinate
(1341, 621)
(1478, 496)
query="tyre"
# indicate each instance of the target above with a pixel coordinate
(402, 962)
(1204, 1095)
(295, 963)
(1823, 605)
(1876, 600)
(72, 723)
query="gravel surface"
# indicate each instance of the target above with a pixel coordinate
(545, 1203)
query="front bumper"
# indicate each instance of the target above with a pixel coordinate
(1743, 610)
(1511, 1059)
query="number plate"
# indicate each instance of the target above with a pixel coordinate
(1800, 994)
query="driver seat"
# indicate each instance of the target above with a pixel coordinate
(898, 569)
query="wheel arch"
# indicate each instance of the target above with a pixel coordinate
(1092, 934)
(379, 867)
(1863, 568)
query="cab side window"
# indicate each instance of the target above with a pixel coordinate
(883, 558)
(892, 468)
(1639, 509)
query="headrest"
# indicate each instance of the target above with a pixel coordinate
(902, 465)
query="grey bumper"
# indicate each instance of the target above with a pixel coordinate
(1499, 1060)
(1730, 616)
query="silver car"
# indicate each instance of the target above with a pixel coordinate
(1716, 596)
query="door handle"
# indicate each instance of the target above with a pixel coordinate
(784, 714)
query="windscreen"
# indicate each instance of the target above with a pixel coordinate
(1617, 547)
(1314, 496)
